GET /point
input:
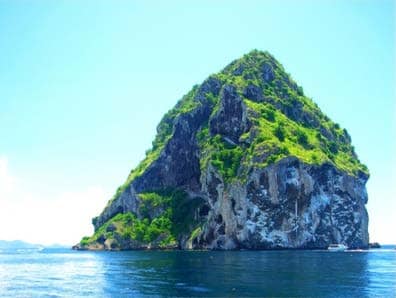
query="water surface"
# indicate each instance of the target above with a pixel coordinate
(67, 273)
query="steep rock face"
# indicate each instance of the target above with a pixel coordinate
(245, 160)
(231, 118)
(286, 205)
(177, 166)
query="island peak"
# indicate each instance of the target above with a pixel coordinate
(243, 160)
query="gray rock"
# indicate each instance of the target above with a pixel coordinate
(267, 72)
(231, 119)
(253, 92)
(286, 205)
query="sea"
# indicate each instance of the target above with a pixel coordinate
(282, 273)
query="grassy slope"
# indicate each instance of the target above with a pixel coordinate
(177, 217)
(275, 134)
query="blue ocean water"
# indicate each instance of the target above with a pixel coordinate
(67, 273)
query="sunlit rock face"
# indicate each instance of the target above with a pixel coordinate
(289, 204)
(244, 160)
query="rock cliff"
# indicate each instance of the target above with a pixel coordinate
(244, 160)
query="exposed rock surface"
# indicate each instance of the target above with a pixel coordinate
(287, 205)
(244, 160)
(374, 245)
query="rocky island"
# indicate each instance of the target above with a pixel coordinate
(243, 161)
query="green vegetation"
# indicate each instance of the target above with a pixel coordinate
(280, 136)
(285, 137)
(164, 216)
(280, 132)
(223, 155)
(276, 134)
(302, 138)
(127, 227)
(85, 240)
(195, 233)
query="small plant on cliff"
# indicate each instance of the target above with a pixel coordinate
(302, 138)
(280, 132)
(227, 161)
(85, 241)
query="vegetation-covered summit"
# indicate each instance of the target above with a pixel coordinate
(248, 116)
(285, 121)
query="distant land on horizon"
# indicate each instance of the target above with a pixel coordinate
(20, 244)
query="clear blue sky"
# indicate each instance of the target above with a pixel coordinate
(83, 85)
